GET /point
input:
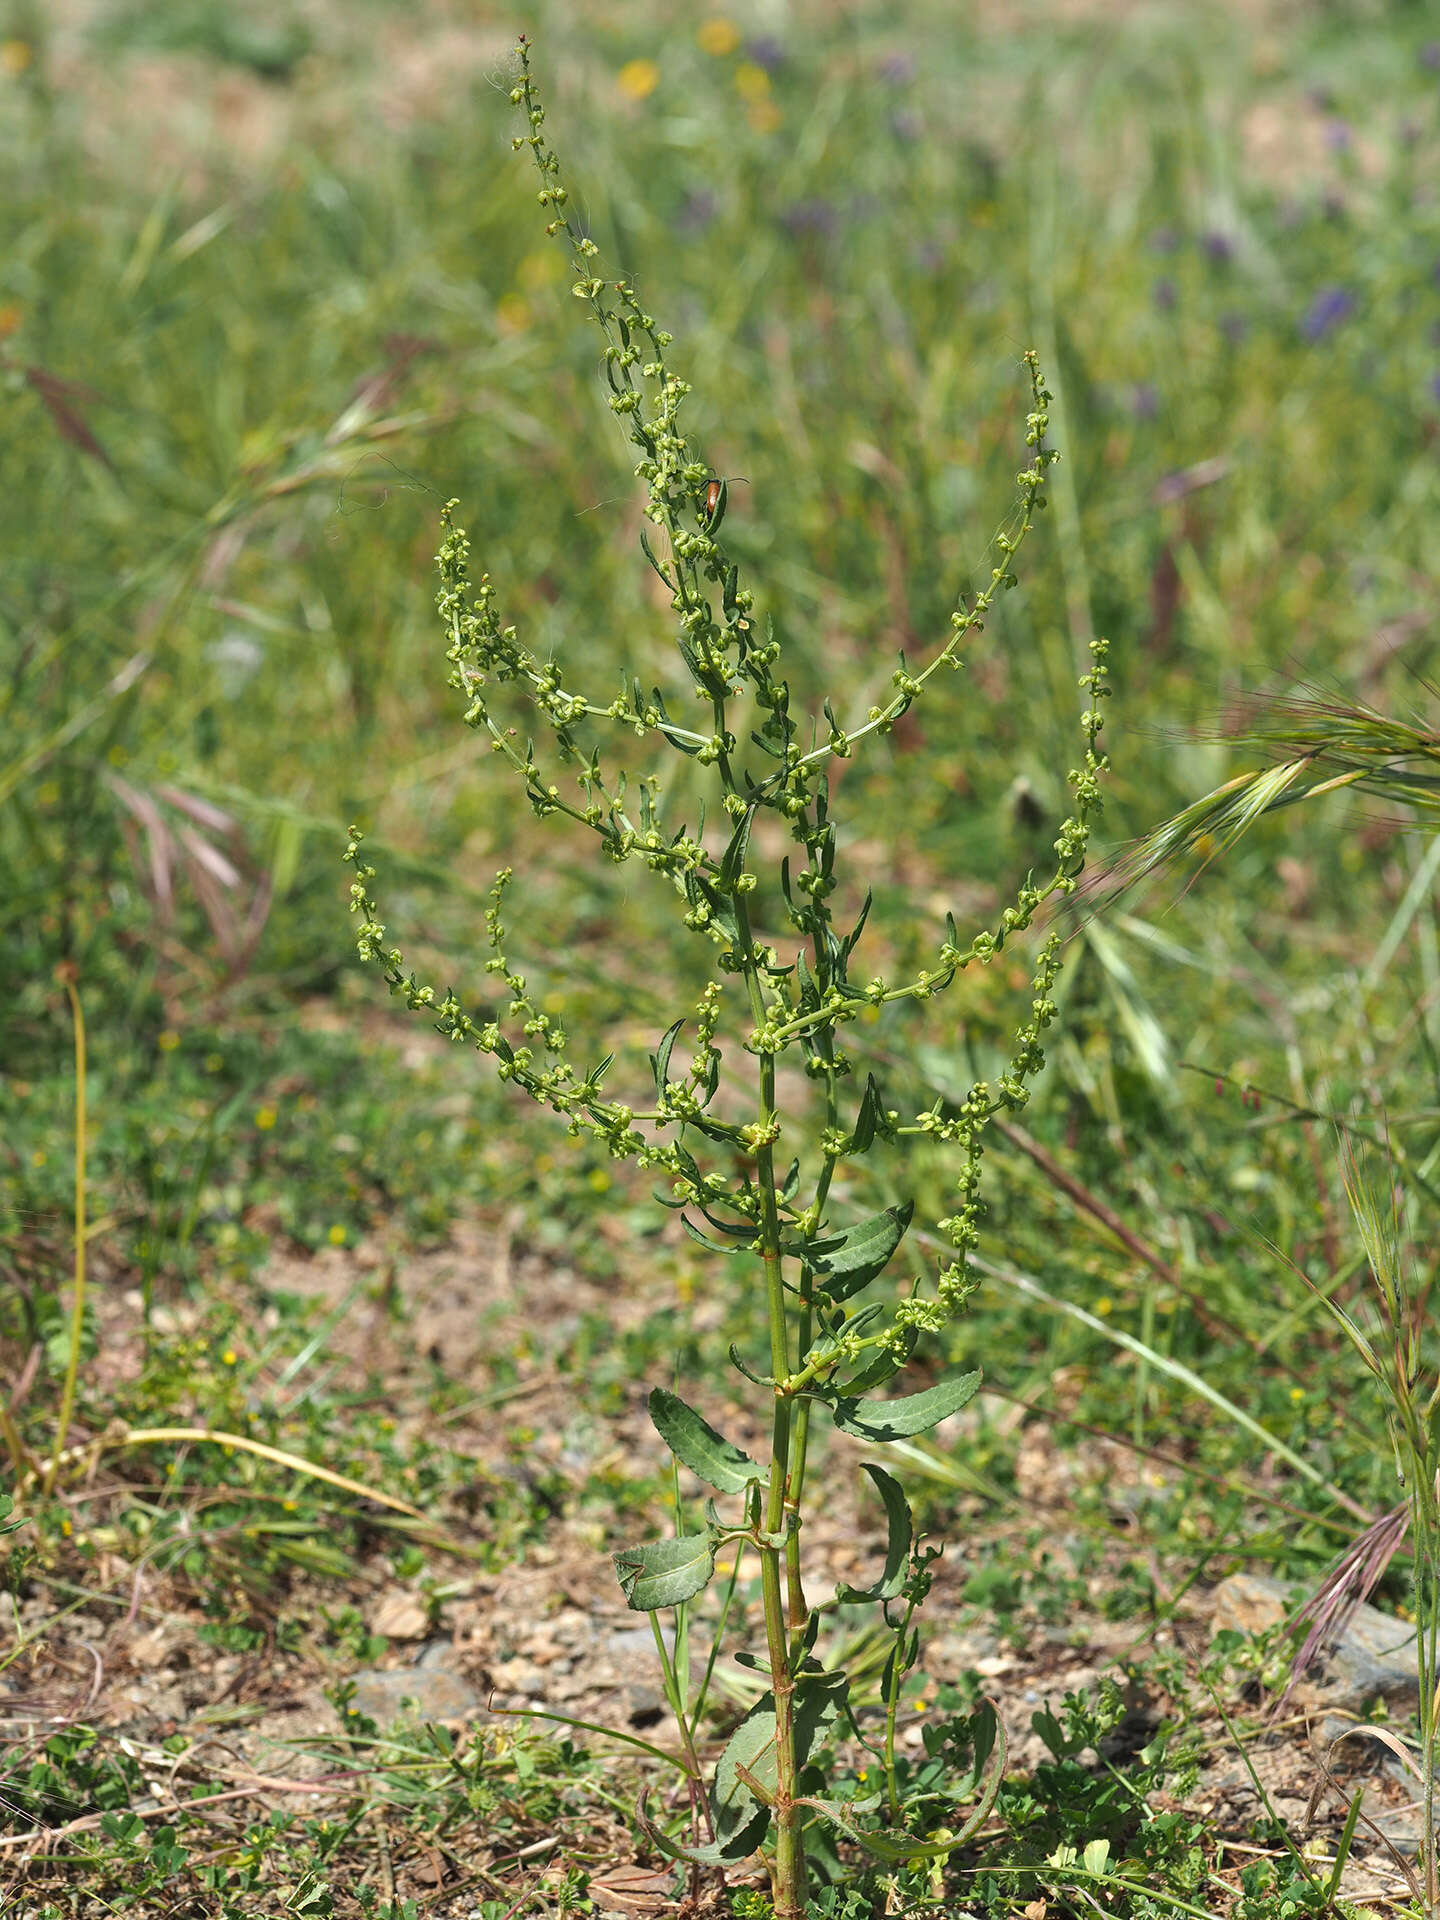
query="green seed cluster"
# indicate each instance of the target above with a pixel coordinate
(799, 1002)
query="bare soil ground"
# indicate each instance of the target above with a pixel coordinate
(548, 1632)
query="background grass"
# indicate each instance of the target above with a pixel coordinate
(272, 286)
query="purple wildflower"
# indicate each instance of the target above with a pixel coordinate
(697, 210)
(1164, 240)
(1218, 246)
(766, 51)
(1337, 135)
(1326, 311)
(1235, 327)
(811, 216)
(1163, 295)
(1430, 55)
(906, 124)
(897, 69)
(1144, 400)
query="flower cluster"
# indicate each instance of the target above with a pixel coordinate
(804, 1003)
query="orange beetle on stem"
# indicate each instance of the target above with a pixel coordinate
(717, 495)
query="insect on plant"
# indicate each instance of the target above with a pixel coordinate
(717, 498)
(783, 985)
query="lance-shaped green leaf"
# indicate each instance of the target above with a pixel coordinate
(737, 1229)
(868, 1120)
(660, 1059)
(881, 1420)
(760, 1379)
(863, 1251)
(852, 939)
(886, 1844)
(703, 1239)
(662, 1573)
(713, 1129)
(688, 747)
(818, 1698)
(740, 1842)
(732, 863)
(591, 1082)
(698, 892)
(897, 1546)
(649, 553)
(830, 1345)
(696, 1444)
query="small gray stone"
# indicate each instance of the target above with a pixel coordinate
(400, 1615)
(431, 1689)
(636, 1643)
(629, 1641)
(949, 1655)
(645, 1705)
(1249, 1603)
(1375, 1659)
(1402, 1826)
(519, 1676)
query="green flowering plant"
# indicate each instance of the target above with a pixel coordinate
(761, 1186)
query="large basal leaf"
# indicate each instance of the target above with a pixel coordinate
(818, 1698)
(880, 1420)
(739, 1843)
(751, 1747)
(897, 1547)
(664, 1572)
(863, 1251)
(696, 1444)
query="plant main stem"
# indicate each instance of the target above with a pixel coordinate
(789, 1852)
(892, 1708)
(799, 1608)
(77, 1308)
(788, 1872)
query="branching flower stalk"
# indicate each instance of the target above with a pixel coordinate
(822, 1351)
